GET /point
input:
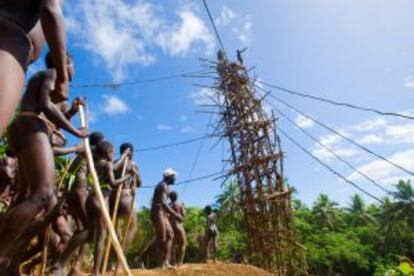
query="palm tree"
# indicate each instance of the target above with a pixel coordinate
(390, 224)
(228, 200)
(404, 202)
(357, 210)
(325, 211)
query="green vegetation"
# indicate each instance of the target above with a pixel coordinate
(357, 239)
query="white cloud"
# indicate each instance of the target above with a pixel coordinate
(383, 171)
(122, 33)
(400, 133)
(163, 127)
(371, 139)
(387, 132)
(304, 122)
(326, 155)
(181, 38)
(188, 129)
(92, 117)
(204, 96)
(183, 118)
(244, 32)
(369, 125)
(226, 17)
(409, 82)
(114, 106)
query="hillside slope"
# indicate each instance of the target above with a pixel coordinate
(219, 269)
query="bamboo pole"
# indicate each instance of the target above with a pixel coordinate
(65, 173)
(98, 191)
(114, 219)
(44, 252)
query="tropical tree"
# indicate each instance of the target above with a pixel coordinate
(3, 146)
(325, 212)
(358, 211)
(403, 206)
(228, 200)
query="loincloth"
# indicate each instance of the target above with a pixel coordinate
(41, 118)
(15, 40)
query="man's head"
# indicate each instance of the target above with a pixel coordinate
(173, 196)
(105, 150)
(10, 153)
(69, 64)
(95, 138)
(220, 55)
(126, 146)
(208, 209)
(169, 176)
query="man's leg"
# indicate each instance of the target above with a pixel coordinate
(100, 238)
(215, 247)
(79, 239)
(37, 162)
(14, 52)
(181, 244)
(161, 235)
(168, 243)
(132, 229)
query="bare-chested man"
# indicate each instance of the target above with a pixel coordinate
(95, 226)
(210, 235)
(159, 216)
(105, 169)
(29, 138)
(126, 204)
(180, 240)
(126, 208)
(24, 27)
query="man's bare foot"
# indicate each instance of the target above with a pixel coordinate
(167, 266)
(57, 269)
(75, 272)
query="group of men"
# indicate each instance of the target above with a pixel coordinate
(42, 218)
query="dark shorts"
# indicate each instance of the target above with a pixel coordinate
(14, 40)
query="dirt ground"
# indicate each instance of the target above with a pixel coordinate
(218, 269)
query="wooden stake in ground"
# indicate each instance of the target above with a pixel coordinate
(98, 191)
(114, 219)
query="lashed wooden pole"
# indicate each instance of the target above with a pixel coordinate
(98, 191)
(114, 219)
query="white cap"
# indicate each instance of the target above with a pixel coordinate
(169, 172)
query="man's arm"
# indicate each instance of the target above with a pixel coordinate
(167, 208)
(53, 25)
(52, 112)
(114, 183)
(70, 112)
(120, 162)
(136, 175)
(183, 211)
(58, 151)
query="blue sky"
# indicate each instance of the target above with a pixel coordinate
(352, 51)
